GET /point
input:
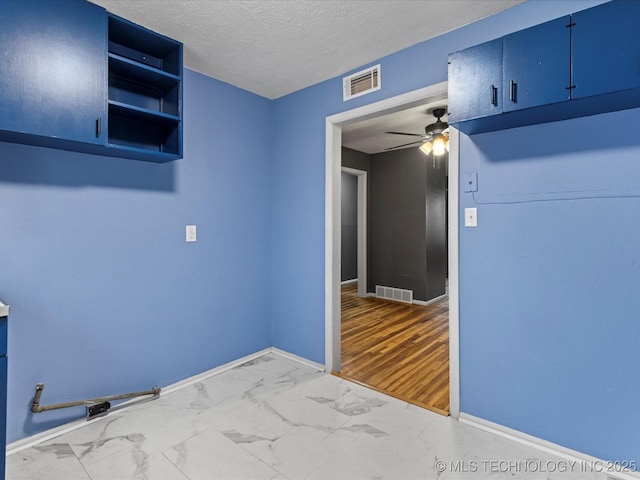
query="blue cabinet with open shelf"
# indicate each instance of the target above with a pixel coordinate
(76, 77)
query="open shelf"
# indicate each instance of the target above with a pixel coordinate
(123, 67)
(145, 90)
(140, 133)
(145, 95)
(142, 114)
(125, 151)
(144, 46)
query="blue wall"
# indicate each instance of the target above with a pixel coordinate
(106, 297)
(549, 303)
(549, 282)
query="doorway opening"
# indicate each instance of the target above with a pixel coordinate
(360, 208)
(334, 126)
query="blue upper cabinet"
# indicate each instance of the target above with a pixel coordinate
(497, 84)
(578, 65)
(75, 77)
(53, 70)
(606, 49)
(536, 65)
(483, 96)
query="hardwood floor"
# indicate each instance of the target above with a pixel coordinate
(396, 348)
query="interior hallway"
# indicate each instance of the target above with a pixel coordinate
(397, 348)
(274, 418)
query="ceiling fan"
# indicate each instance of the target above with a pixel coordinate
(435, 139)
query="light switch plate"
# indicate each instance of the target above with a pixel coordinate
(191, 233)
(471, 217)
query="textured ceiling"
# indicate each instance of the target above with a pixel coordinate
(275, 47)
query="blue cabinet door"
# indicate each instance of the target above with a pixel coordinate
(53, 75)
(537, 66)
(606, 48)
(475, 82)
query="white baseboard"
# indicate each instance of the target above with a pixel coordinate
(33, 440)
(349, 282)
(422, 303)
(318, 366)
(595, 464)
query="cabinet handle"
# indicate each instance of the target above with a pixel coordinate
(98, 126)
(494, 95)
(513, 91)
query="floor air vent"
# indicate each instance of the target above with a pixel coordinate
(397, 294)
(360, 83)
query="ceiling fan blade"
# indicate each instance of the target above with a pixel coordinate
(404, 145)
(403, 133)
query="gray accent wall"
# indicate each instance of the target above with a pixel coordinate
(407, 215)
(355, 159)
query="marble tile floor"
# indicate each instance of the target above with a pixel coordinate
(274, 418)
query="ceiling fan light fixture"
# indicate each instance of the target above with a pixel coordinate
(439, 145)
(426, 148)
(435, 139)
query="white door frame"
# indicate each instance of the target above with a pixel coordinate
(362, 228)
(333, 168)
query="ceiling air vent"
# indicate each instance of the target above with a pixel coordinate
(364, 81)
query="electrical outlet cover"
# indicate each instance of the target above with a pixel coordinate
(470, 182)
(191, 233)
